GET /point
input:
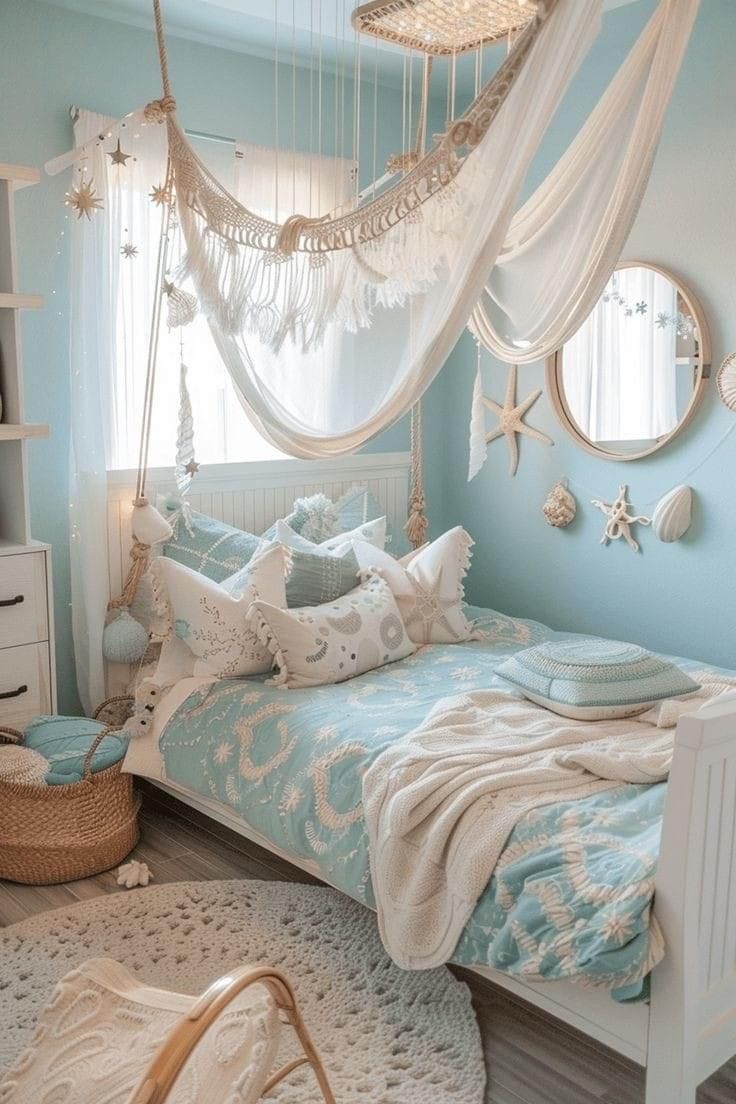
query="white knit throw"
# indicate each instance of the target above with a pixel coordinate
(441, 805)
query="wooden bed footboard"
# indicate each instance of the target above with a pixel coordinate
(692, 1018)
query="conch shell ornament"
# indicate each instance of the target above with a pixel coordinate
(560, 506)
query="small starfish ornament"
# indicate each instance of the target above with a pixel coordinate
(84, 199)
(619, 519)
(117, 157)
(192, 467)
(510, 420)
(129, 250)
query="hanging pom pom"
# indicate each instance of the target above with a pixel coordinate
(124, 640)
(186, 465)
(478, 446)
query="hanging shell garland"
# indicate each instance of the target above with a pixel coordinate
(560, 507)
(673, 514)
(726, 381)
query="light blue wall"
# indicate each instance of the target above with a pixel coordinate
(51, 58)
(678, 598)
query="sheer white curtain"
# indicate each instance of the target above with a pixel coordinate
(111, 301)
(620, 370)
(108, 336)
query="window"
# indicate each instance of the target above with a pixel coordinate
(222, 431)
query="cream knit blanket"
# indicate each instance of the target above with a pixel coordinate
(440, 806)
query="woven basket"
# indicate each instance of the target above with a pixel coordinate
(54, 834)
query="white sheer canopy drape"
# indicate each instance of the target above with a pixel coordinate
(385, 368)
(563, 244)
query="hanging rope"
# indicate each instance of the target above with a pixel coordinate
(417, 523)
(153, 339)
(139, 556)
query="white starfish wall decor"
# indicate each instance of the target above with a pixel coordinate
(510, 420)
(619, 519)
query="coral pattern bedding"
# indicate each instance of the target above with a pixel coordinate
(572, 892)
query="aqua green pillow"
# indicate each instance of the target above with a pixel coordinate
(209, 546)
(589, 678)
(318, 577)
(65, 741)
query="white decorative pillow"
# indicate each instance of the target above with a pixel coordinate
(319, 645)
(373, 532)
(428, 586)
(212, 622)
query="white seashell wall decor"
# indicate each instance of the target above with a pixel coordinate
(560, 506)
(673, 514)
(726, 381)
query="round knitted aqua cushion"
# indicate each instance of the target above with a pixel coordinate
(601, 677)
(65, 741)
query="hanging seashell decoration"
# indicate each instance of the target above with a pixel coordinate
(673, 514)
(560, 506)
(726, 381)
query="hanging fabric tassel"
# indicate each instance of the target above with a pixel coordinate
(181, 306)
(186, 465)
(417, 524)
(478, 446)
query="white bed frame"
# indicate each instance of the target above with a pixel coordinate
(688, 1029)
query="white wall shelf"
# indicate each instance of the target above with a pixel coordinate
(10, 432)
(27, 668)
(14, 300)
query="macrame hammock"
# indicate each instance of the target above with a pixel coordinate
(400, 276)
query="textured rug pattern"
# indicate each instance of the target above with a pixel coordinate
(386, 1036)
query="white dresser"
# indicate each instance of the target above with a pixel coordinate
(26, 623)
(27, 679)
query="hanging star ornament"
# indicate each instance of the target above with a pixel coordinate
(117, 157)
(129, 250)
(84, 200)
(160, 194)
(510, 420)
(192, 467)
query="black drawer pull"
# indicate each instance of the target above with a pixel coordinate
(15, 693)
(12, 601)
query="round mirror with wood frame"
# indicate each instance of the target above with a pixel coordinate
(634, 374)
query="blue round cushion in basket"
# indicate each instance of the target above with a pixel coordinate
(594, 679)
(65, 741)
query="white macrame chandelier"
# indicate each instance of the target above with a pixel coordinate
(444, 27)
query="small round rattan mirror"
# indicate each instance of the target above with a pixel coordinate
(633, 375)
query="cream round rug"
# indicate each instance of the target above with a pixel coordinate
(386, 1036)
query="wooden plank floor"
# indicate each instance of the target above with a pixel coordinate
(531, 1059)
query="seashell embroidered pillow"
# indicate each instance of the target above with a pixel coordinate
(321, 645)
(211, 620)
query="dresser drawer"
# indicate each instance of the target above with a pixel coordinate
(25, 684)
(23, 608)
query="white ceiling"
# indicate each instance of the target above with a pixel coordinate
(248, 26)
